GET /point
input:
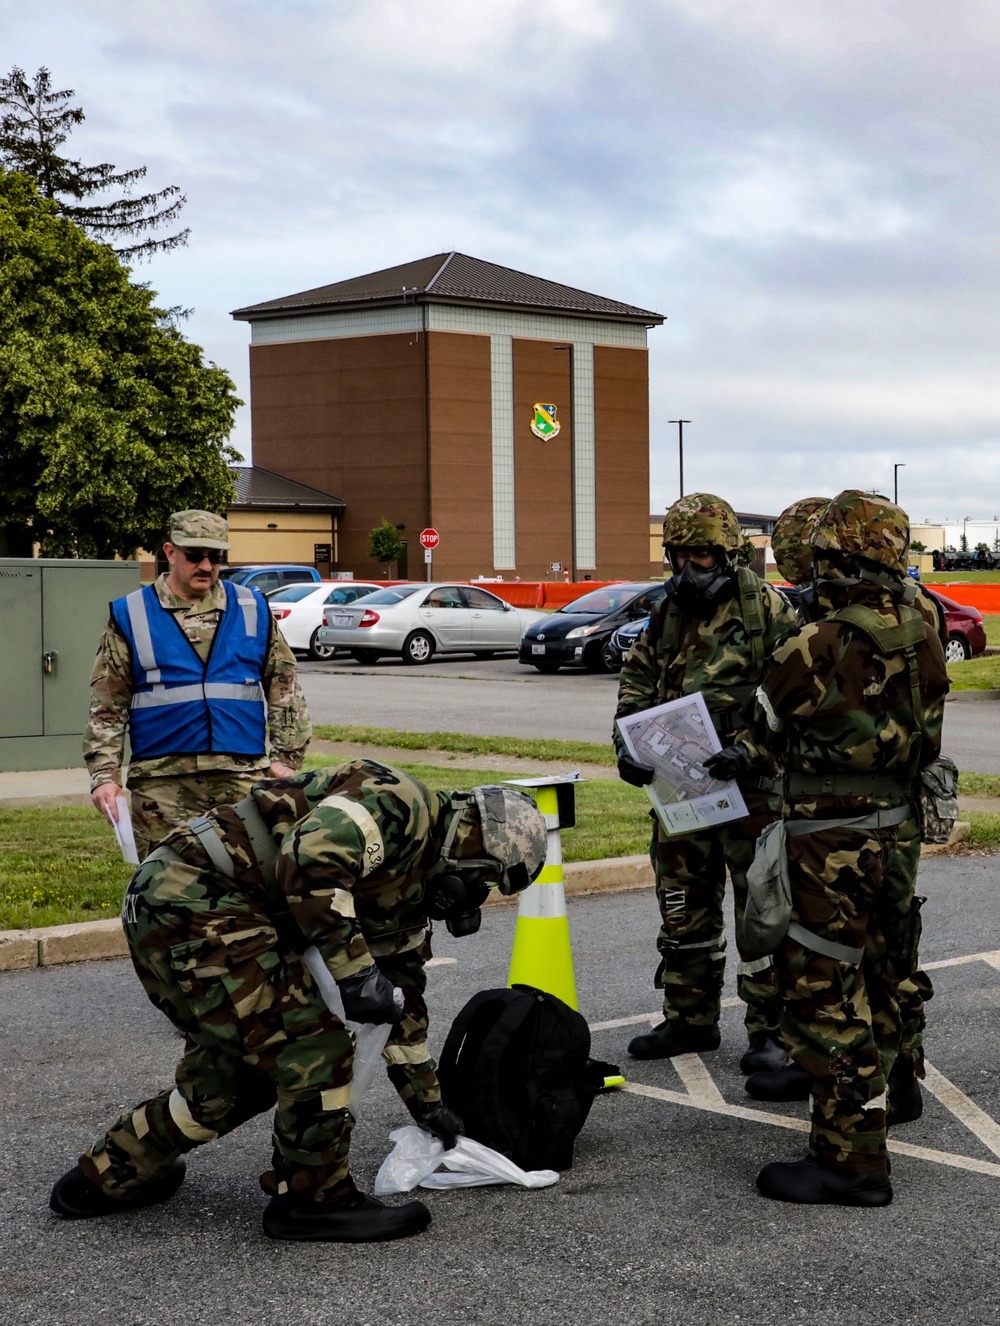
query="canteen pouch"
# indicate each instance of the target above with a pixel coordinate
(937, 800)
(768, 908)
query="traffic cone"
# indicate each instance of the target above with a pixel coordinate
(542, 954)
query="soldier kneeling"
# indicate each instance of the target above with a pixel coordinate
(352, 860)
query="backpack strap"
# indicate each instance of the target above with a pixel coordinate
(751, 594)
(901, 639)
(519, 1008)
(448, 1058)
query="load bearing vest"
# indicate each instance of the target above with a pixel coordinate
(182, 704)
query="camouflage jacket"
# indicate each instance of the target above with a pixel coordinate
(714, 657)
(831, 704)
(111, 682)
(354, 844)
(810, 609)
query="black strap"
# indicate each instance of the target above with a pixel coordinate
(844, 785)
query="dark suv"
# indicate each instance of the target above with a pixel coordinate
(578, 632)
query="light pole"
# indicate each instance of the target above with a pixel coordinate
(901, 465)
(965, 534)
(572, 464)
(680, 447)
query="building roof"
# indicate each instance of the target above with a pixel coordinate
(257, 488)
(450, 278)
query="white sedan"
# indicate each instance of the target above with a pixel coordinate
(418, 621)
(299, 610)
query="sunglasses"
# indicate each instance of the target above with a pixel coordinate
(197, 555)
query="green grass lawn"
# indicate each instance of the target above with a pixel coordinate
(960, 577)
(978, 674)
(531, 748)
(991, 621)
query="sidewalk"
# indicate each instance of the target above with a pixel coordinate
(44, 787)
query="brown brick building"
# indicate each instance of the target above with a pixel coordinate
(412, 393)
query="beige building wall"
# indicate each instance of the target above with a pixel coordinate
(931, 536)
(278, 536)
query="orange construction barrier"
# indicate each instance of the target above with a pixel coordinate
(984, 597)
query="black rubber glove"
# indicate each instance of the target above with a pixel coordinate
(730, 762)
(436, 1118)
(368, 997)
(636, 774)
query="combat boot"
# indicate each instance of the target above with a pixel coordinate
(789, 1083)
(905, 1099)
(74, 1197)
(360, 1220)
(670, 1038)
(811, 1181)
(765, 1055)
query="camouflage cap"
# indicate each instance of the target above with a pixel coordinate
(199, 529)
(866, 526)
(498, 827)
(792, 538)
(702, 520)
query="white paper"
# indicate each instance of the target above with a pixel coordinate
(123, 832)
(676, 738)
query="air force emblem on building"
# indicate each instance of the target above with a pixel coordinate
(545, 423)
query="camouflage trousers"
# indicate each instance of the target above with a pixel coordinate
(843, 1022)
(160, 805)
(257, 1035)
(690, 872)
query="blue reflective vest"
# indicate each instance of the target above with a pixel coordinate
(182, 706)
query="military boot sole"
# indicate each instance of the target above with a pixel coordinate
(366, 1222)
(74, 1197)
(666, 1041)
(809, 1183)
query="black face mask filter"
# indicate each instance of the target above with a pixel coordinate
(456, 899)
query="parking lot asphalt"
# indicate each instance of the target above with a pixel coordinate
(657, 1222)
(504, 697)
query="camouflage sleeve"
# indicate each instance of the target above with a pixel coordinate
(322, 859)
(288, 724)
(780, 616)
(639, 683)
(110, 698)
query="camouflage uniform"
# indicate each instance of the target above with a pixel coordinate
(219, 957)
(173, 788)
(680, 654)
(832, 706)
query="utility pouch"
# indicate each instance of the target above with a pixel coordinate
(768, 908)
(937, 800)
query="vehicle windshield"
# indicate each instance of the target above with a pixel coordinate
(231, 572)
(293, 593)
(392, 594)
(601, 601)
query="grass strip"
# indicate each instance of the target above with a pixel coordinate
(977, 674)
(979, 785)
(984, 832)
(529, 748)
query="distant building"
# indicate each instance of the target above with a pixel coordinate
(758, 530)
(508, 412)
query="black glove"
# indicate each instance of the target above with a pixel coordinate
(730, 762)
(436, 1118)
(636, 774)
(368, 997)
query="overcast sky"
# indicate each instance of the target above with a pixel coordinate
(809, 192)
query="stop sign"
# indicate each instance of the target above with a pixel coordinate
(429, 538)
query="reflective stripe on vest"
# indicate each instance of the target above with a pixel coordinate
(211, 690)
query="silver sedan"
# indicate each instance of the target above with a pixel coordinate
(418, 621)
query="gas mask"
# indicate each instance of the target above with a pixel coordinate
(701, 588)
(456, 898)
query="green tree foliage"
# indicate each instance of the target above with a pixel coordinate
(109, 418)
(384, 543)
(963, 541)
(917, 547)
(746, 553)
(35, 123)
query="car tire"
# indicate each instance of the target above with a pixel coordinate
(483, 653)
(547, 667)
(593, 659)
(418, 648)
(318, 650)
(610, 658)
(958, 649)
(365, 655)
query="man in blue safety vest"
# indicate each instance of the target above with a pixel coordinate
(196, 672)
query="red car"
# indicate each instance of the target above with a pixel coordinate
(966, 633)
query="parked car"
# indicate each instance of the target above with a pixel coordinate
(578, 632)
(966, 633)
(420, 620)
(266, 578)
(300, 609)
(621, 642)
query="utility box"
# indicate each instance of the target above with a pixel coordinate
(52, 614)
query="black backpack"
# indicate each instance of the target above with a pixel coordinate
(516, 1068)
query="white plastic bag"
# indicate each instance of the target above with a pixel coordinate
(417, 1154)
(369, 1037)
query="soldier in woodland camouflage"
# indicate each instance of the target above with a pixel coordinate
(347, 859)
(791, 539)
(169, 784)
(704, 637)
(851, 706)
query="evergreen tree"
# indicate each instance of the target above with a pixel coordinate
(384, 543)
(35, 123)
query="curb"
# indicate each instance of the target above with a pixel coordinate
(89, 941)
(971, 697)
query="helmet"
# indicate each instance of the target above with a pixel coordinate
(702, 520)
(866, 527)
(497, 829)
(792, 536)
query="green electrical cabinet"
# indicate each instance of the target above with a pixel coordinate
(52, 613)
